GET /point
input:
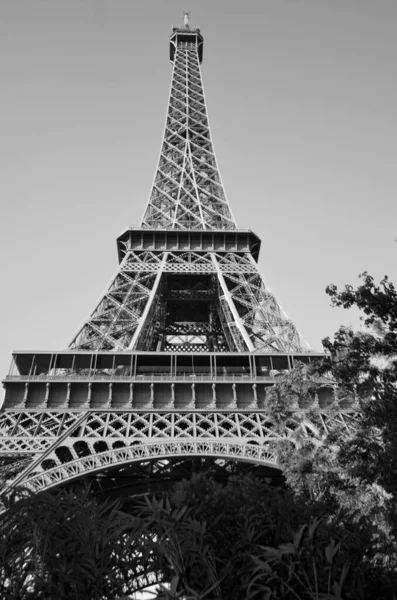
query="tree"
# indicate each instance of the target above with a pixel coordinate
(353, 469)
(366, 360)
(66, 545)
(364, 363)
(248, 540)
(242, 540)
(207, 532)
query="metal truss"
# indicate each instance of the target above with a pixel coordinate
(151, 450)
(68, 445)
(112, 324)
(249, 313)
(242, 314)
(263, 323)
(187, 191)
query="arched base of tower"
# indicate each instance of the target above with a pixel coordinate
(161, 454)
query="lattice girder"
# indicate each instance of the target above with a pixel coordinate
(187, 191)
(99, 440)
(248, 311)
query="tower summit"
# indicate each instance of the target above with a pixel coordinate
(186, 34)
(175, 359)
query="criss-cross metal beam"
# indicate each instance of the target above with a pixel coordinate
(187, 191)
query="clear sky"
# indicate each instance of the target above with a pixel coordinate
(302, 100)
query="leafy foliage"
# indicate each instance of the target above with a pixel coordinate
(353, 470)
(245, 540)
(366, 363)
(208, 531)
(66, 545)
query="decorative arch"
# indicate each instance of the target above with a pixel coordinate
(160, 449)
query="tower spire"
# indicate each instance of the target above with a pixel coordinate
(187, 192)
(186, 17)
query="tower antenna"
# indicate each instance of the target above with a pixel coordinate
(186, 16)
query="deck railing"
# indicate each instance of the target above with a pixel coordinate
(190, 377)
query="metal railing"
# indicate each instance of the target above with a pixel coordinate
(194, 228)
(148, 377)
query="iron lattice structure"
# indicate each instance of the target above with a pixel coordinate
(175, 360)
(188, 248)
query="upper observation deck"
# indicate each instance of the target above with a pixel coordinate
(186, 35)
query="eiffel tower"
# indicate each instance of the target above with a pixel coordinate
(174, 362)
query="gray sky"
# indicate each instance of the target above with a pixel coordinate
(302, 100)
